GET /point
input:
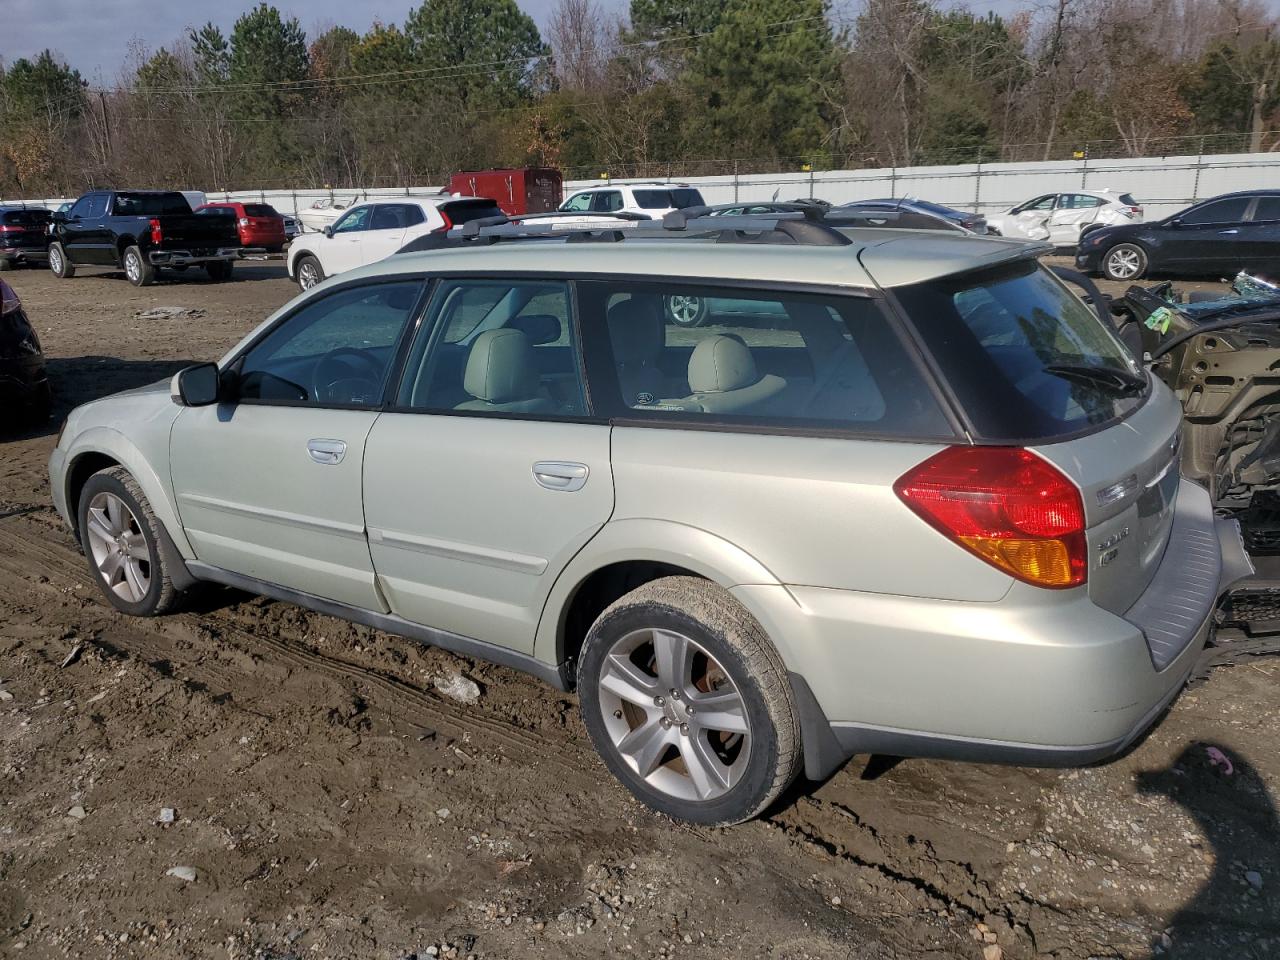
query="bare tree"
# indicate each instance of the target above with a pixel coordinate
(581, 42)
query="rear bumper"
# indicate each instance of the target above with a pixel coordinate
(182, 258)
(1040, 677)
(25, 254)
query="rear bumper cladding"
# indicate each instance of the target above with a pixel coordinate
(828, 746)
(181, 258)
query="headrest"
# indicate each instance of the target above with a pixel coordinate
(500, 367)
(721, 363)
(538, 327)
(636, 329)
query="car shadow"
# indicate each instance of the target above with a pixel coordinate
(1234, 912)
(250, 270)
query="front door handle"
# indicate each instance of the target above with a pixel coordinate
(326, 451)
(560, 475)
(1223, 233)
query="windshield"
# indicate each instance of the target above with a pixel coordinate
(150, 204)
(678, 197)
(1012, 342)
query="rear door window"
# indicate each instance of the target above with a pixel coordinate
(1267, 210)
(678, 353)
(662, 199)
(1026, 358)
(150, 204)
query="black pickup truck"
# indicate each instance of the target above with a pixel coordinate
(142, 231)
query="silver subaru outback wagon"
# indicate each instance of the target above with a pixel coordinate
(894, 492)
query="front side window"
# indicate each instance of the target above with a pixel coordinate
(353, 220)
(498, 347)
(1040, 203)
(1026, 358)
(683, 353)
(89, 208)
(335, 351)
(1220, 211)
(578, 203)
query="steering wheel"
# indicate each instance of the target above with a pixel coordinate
(347, 375)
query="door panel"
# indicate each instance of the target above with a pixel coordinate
(254, 499)
(463, 536)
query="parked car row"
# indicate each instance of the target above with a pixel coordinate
(898, 491)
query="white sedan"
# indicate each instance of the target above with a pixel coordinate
(369, 231)
(1060, 218)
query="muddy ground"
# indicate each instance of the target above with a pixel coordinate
(333, 804)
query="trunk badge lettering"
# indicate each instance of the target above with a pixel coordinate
(1117, 491)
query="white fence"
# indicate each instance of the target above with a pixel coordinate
(1162, 184)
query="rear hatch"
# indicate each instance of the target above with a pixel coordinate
(1028, 364)
(263, 221)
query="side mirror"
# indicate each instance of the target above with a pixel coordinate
(195, 386)
(328, 230)
(1175, 222)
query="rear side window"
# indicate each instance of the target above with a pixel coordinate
(1267, 210)
(150, 204)
(1127, 200)
(683, 353)
(460, 213)
(25, 218)
(679, 198)
(1025, 357)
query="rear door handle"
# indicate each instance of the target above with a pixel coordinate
(326, 451)
(1223, 233)
(560, 475)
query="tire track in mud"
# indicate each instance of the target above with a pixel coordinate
(27, 558)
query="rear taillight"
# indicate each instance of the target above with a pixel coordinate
(448, 224)
(9, 302)
(1136, 211)
(1006, 505)
(11, 228)
(157, 235)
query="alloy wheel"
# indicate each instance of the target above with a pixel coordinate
(674, 715)
(1124, 263)
(685, 311)
(119, 548)
(132, 267)
(307, 277)
(55, 260)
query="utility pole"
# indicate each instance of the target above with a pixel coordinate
(106, 124)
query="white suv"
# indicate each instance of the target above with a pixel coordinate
(375, 229)
(1062, 218)
(652, 199)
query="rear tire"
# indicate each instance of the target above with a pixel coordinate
(137, 268)
(309, 272)
(59, 265)
(6, 264)
(121, 538)
(1124, 261)
(218, 270)
(688, 702)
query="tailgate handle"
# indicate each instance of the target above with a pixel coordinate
(560, 475)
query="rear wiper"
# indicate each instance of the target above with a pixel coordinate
(1121, 381)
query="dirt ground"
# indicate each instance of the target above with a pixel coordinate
(333, 804)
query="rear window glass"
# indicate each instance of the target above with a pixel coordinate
(679, 198)
(150, 204)
(683, 353)
(1026, 358)
(460, 213)
(25, 217)
(260, 210)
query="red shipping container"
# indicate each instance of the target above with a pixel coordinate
(515, 191)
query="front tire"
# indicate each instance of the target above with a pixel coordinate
(138, 268)
(309, 272)
(59, 265)
(688, 703)
(121, 538)
(1124, 261)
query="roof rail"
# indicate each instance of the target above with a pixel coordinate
(799, 226)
